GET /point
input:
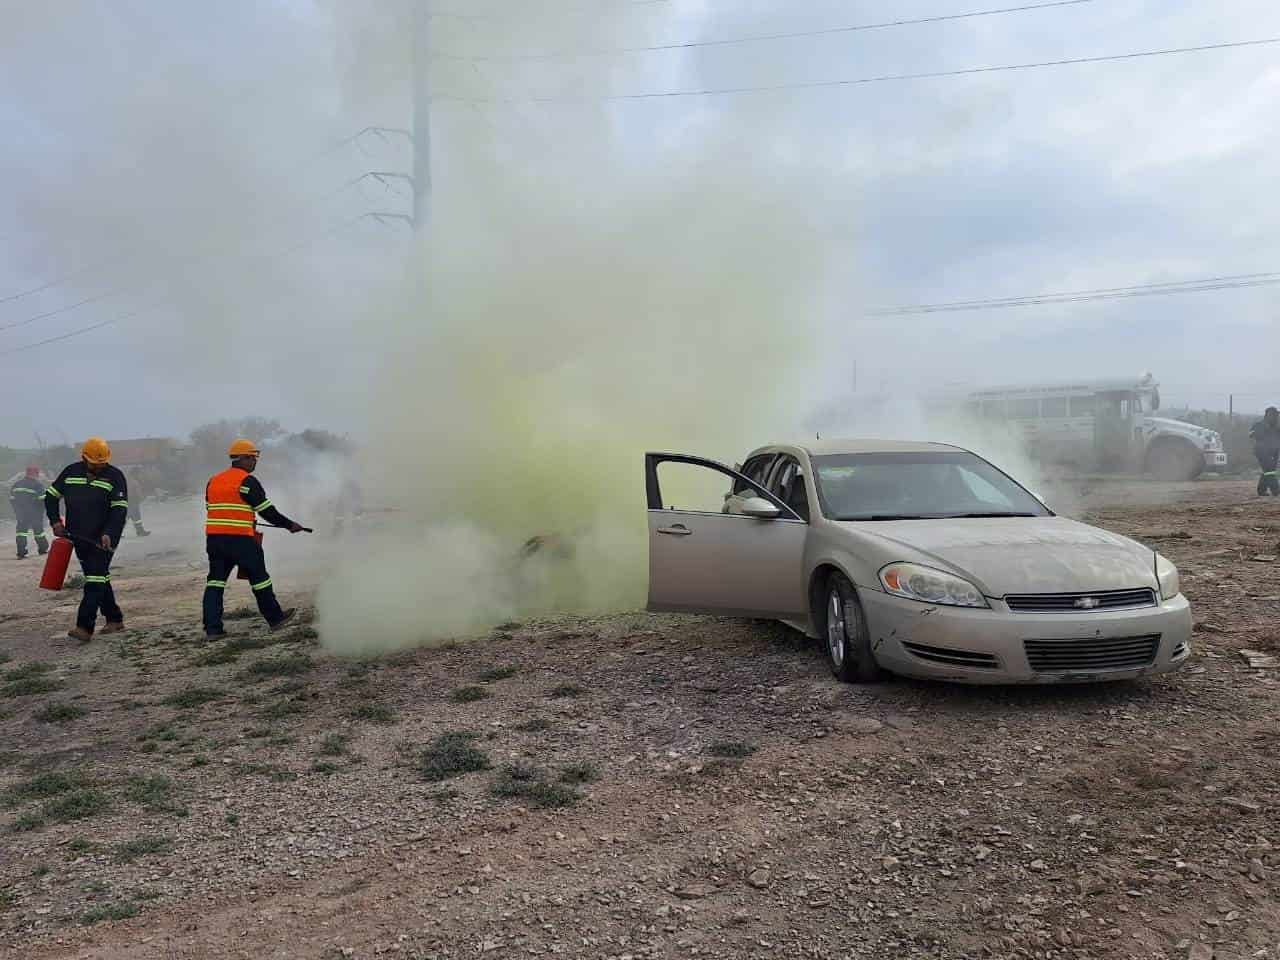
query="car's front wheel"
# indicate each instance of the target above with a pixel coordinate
(848, 639)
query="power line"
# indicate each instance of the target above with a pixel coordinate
(301, 166)
(594, 7)
(514, 58)
(272, 255)
(887, 78)
(1080, 296)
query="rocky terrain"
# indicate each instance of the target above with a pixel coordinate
(636, 786)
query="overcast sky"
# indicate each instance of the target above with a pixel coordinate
(185, 168)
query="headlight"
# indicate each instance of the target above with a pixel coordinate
(1167, 574)
(927, 585)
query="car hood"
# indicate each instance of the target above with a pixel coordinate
(1007, 555)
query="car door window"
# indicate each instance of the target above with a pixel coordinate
(788, 485)
(757, 468)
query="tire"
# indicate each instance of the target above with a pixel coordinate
(1175, 461)
(848, 641)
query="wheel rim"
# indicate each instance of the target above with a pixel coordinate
(835, 628)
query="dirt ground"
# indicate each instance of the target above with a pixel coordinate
(634, 786)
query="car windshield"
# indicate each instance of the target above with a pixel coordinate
(924, 485)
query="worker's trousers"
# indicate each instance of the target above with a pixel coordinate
(1269, 482)
(227, 553)
(98, 595)
(31, 527)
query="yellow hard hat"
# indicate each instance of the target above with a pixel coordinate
(96, 451)
(244, 448)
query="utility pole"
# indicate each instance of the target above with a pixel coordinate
(421, 115)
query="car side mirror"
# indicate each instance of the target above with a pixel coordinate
(761, 509)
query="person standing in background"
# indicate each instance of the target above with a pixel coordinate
(1266, 447)
(25, 498)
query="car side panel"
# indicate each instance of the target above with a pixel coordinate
(726, 564)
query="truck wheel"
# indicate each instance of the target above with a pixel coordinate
(848, 641)
(1174, 461)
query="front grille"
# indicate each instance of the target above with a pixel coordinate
(952, 658)
(1071, 656)
(1081, 602)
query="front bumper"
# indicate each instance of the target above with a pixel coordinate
(1215, 460)
(991, 646)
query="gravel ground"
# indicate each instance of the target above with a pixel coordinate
(636, 786)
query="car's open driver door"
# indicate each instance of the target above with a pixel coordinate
(704, 562)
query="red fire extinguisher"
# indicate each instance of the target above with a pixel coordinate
(55, 565)
(240, 574)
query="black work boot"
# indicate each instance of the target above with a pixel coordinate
(284, 619)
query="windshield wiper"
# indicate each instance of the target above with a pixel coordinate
(984, 516)
(889, 516)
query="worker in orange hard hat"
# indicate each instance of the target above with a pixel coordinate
(97, 503)
(234, 499)
(25, 497)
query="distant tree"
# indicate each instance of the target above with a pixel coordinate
(209, 443)
(320, 440)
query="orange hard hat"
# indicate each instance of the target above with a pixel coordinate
(96, 451)
(244, 448)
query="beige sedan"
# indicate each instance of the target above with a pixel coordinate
(917, 558)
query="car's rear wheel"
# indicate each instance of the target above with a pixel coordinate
(848, 639)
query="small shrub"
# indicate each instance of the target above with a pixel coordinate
(468, 694)
(199, 760)
(232, 819)
(35, 668)
(374, 713)
(29, 821)
(154, 791)
(193, 697)
(95, 886)
(80, 804)
(44, 786)
(73, 582)
(241, 613)
(290, 666)
(451, 755)
(82, 845)
(536, 725)
(31, 687)
(7, 898)
(130, 850)
(109, 911)
(218, 656)
(324, 766)
(522, 782)
(334, 745)
(40, 870)
(566, 690)
(59, 713)
(499, 673)
(281, 709)
(584, 772)
(731, 749)
(161, 731)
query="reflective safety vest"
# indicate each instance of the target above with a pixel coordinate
(227, 513)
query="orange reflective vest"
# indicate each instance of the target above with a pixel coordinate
(227, 513)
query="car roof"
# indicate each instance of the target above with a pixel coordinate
(822, 448)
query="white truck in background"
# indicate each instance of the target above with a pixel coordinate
(1101, 425)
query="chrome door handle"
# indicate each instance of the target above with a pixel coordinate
(676, 530)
